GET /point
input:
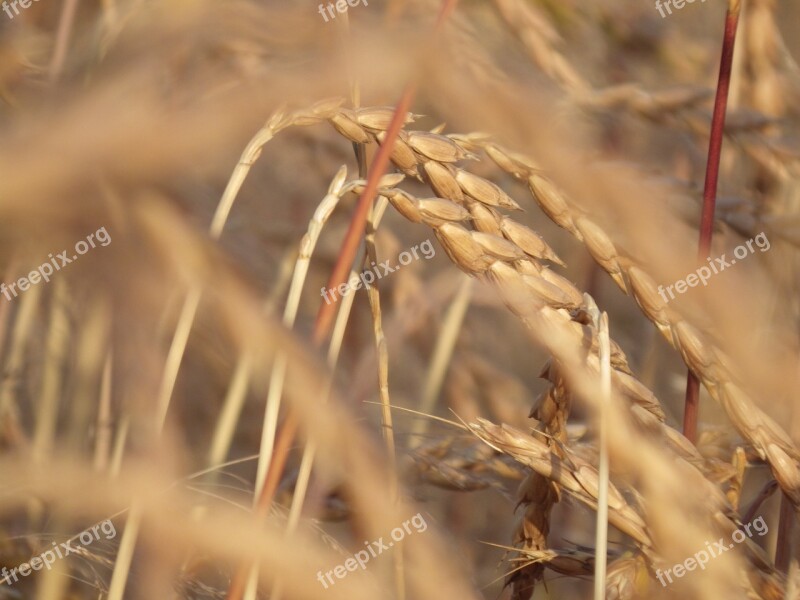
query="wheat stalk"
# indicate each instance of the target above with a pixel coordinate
(486, 254)
(697, 349)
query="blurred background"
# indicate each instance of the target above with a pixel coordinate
(135, 383)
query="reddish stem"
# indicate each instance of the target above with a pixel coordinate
(692, 403)
(341, 270)
(356, 230)
(783, 545)
(767, 491)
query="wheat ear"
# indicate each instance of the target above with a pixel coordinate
(696, 348)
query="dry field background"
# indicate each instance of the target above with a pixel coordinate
(554, 156)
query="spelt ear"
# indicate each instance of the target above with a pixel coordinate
(176, 176)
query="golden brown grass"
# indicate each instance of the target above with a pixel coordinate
(224, 147)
